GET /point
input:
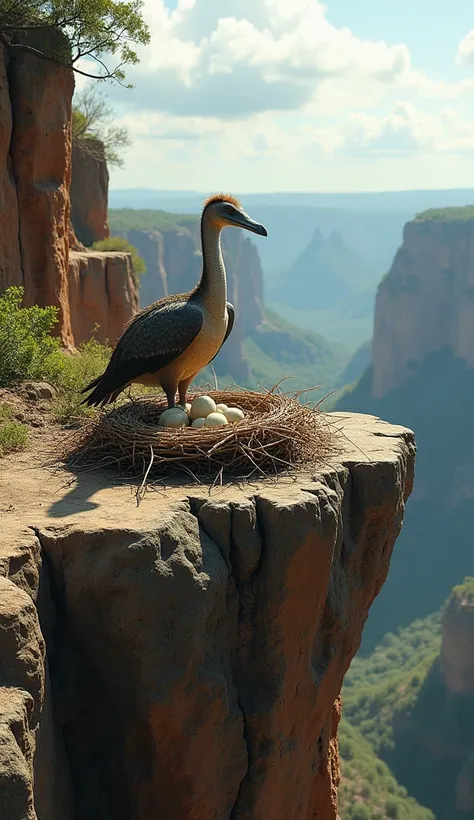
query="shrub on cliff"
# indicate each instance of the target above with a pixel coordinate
(13, 434)
(94, 129)
(27, 349)
(77, 371)
(118, 243)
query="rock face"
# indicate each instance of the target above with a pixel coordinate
(426, 302)
(457, 651)
(103, 293)
(89, 191)
(193, 650)
(173, 259)
(35, 174)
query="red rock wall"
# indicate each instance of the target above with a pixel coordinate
(103, 293)
(35, 229)
(426, 302)
(89, 192)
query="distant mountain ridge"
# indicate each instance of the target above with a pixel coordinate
(326, 275)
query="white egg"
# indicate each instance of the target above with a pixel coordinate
(215, 420)
(221, 408)
(202, 406)
(188, 408)
(200, 422)
(174, 417)
(234, 414)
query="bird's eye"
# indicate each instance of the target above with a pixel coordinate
(228, 210)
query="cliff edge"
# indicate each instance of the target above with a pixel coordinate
(185, 659)
(425, 304)
(35, 177)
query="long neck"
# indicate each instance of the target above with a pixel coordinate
(212, 288)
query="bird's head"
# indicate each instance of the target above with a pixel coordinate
(225, 210)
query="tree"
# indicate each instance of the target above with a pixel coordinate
(94, 29)
(92, 120)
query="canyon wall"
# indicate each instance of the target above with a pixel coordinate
(35, 175)
(173, 259)
(184, 659)
(425, 303)
(89, 191)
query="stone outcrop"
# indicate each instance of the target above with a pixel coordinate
(426, 301)
(89, 191)
(103, 293)
(173, 259)
(35, 175)
(35, 172)
(457, 651)
(185, 659)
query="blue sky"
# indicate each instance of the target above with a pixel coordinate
(296, 95)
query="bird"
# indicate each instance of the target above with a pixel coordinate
(167, 343)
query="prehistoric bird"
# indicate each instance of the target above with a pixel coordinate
(167, 343)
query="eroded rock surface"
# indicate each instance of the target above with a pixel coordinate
(196, 645)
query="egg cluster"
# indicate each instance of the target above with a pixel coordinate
(203, 412)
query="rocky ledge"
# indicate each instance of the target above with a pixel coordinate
(184, 659)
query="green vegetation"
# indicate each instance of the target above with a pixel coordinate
(27, 349)
(93, 127)
(77, 371)
(461, 214)
(94, 30)
(118, 243)
(368, 789)
(463, 592)
(128, 219)
(13, 434)
(390, 679)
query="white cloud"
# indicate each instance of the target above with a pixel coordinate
(245, 56)
(465, 52)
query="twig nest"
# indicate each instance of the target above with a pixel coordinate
(200, 422)
(234, 414)
(215, 420)
(174, 417)
(202, 406)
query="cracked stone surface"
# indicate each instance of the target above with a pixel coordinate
(184, 659)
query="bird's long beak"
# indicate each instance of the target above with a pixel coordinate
(244, 221)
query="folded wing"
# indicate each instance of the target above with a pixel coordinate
(152, 340)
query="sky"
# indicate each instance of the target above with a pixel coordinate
(294, 95)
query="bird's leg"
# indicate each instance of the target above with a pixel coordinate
(183, 389)
(170, 393)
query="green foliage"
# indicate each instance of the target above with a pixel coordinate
(94, 29)
(13, 434)
(460, 214)
(368, 789)
(93, 127)
(390, 679)
(76, 372)
(27, 350)
(127, 219)
(118, 243)
(464, 591)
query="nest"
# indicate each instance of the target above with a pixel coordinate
(278, 433)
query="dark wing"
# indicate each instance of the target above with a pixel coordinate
(230, 325)
(153, 339)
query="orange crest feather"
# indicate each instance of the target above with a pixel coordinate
(221, 198)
